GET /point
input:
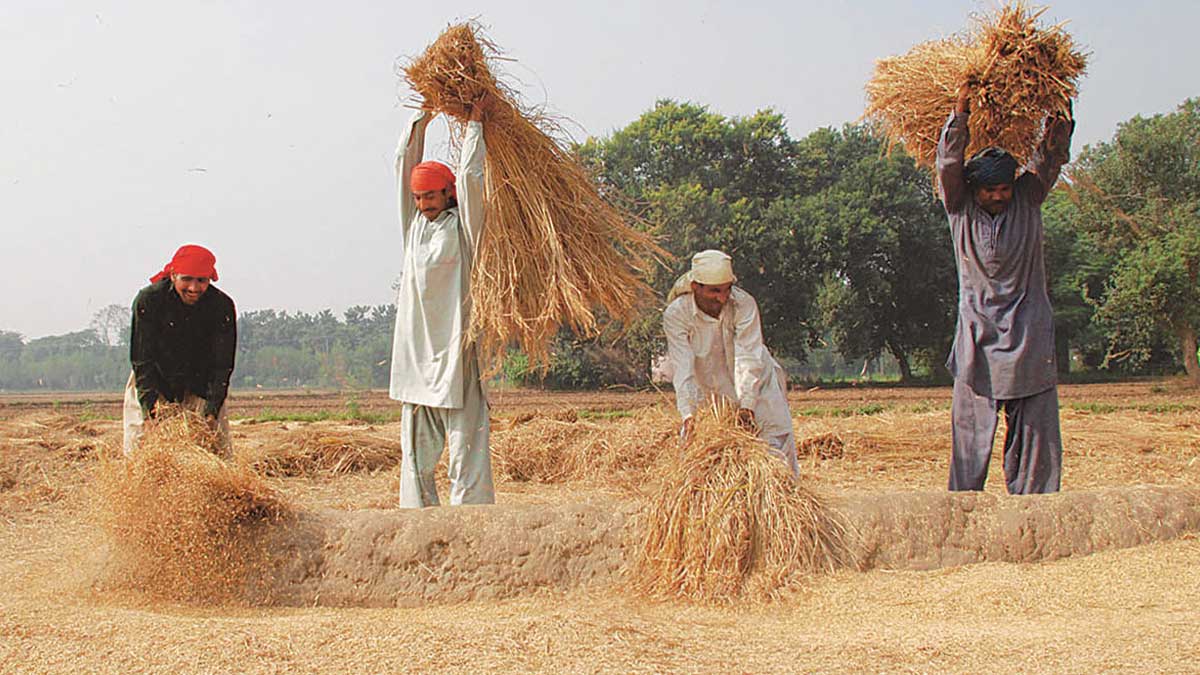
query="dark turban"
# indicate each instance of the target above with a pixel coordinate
(991, 166)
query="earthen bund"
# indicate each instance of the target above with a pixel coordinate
(380, 558)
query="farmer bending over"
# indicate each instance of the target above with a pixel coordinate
(182, 345)
(715, 351)
(1003, 353)
(435, 369)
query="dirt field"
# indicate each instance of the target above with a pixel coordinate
(1127, 610)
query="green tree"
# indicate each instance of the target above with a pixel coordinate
(1139, 199)
(702, 180)
(889, 275)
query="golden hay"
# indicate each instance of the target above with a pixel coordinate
(730, 521)
(1019, 74)
(181, 520)
(617, 453)
(554, 250)
(308, 451)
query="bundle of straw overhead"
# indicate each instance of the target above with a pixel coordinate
(554, 251)
(307, 452)
(1018, 72)
(730, 521)
(180, 520)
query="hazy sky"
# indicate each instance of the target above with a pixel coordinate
(265, 130)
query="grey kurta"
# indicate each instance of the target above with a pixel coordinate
(1004, 341)
(1003, 354)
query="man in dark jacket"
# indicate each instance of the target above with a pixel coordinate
(182, 345)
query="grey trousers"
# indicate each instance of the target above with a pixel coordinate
(1032, 444)
(425, 431)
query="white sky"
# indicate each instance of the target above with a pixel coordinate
(265, 129)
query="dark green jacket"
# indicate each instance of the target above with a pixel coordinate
(176, 349)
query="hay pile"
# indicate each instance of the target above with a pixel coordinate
(729, 521)
(617, 453)
(553, 250)
(315, 451)
(180, 520)
(1019, 73)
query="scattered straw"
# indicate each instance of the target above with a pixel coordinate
(1019, 73)
(313, 451)
(617, 453)
(730, 521)
(180, 519)
(554, 250)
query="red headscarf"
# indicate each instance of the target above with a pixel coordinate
(192, 261)
(432, 176)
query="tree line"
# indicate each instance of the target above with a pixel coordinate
(843, 244)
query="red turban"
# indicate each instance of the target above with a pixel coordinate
(432, 176)
(191, 261)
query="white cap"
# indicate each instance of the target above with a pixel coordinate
(712, 268)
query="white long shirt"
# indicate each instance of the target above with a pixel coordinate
(433, 301)
(722, 356)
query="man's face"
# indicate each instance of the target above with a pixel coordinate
(994, 198)
(431, 203)
(189, 288)
(711, 299)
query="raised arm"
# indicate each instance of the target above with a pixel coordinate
(679, 352)
(1051, 154)
(221, 355)
(951, 148)
(409, 151)
(748, 365)
(470, 179)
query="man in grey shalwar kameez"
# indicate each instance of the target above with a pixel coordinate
(1003, 354)
(435, 370)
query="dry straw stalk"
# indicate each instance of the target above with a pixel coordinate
(554, 251)
(180, 520)
(1019, 73)
(730, 521)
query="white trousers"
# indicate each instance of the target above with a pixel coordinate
(425, 431)
(132, 421)
(775, 419)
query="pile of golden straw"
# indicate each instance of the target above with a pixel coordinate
(553, 250)
(313, 451)
(180, 520)
(730, 521)
(1019, 73)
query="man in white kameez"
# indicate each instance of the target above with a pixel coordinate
(435, 370)
(715, 351)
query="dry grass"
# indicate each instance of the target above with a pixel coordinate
(1019, 73)
(617, 453)
(311, 451)
(554, 250)
(179, 519)
(729, 521)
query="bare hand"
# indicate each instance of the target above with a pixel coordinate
(963, 98)
(745, 419)
(480, 107)
(685, 431)
(212, 421)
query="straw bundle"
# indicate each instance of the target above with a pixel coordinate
(1019, 73)
(729, 521)
(308, 452)
(553, 250)
(181, 520)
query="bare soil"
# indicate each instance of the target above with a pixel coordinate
(1071, 602)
